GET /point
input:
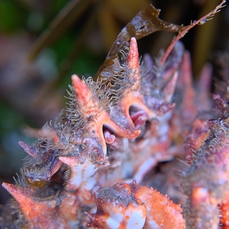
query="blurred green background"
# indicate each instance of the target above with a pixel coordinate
(43, 42)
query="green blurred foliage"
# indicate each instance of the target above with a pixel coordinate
(9, 120)
(13, 16)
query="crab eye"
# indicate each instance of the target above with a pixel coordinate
(38, 183)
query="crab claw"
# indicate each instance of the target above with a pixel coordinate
(117, 209)
(133, 206)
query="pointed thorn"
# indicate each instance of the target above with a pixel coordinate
(170, 87)
(133, 59)
(81, 89)
(29, 150)
(21, 196)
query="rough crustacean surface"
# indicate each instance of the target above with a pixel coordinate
(124, 206)
(205, 182)
(89, 167)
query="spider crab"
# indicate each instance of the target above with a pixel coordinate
(89, 168)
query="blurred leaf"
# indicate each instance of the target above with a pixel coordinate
(79, 44)
(204, 39)
(108, 25)
(72, 11)
(125, 9)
